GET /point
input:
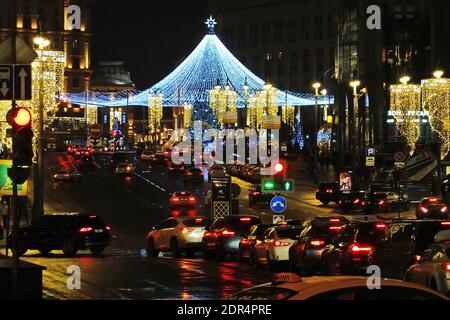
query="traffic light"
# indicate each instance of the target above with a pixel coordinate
(279, 182)
(20, 120)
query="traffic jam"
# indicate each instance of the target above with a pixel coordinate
(316, 257)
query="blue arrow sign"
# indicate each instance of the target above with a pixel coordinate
(278, 204)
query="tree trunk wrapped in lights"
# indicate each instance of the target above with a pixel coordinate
(48, 87)
(155, 111)
(405, 98)
(187, 115)
(288, 115)
(436, 100)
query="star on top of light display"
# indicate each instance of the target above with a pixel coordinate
(211, 23)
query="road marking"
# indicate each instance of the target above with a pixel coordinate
(152, 183)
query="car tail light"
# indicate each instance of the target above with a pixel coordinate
(244, 240)
(446, 267)
(335, 228)
(317, 243)
(329, 190)
(191, 199)
(418, 258)
(356, 201)
(258, 242)
(55, 176)
(317, 190)
(198, 220)
(381, 202)
(108, 228)
(444, 209)
(244, 219)
(433, 199)
(186, 230)
(357, 249)
(380, 226)
(228, 233)
(87, 229)
(281, 244)
(423, 209)
(190, 173)
(335, 220)
(176, 199)
(445, 223)
(256, 193)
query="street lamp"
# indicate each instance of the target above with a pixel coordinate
(354, 119)
(316, 86)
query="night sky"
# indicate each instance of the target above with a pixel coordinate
(152, 37)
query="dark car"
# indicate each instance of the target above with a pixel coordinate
(386, 202)
(80, 152)
(353, 201)
(116, 159)
(328, 192)
(306, 255)
(87, 163)
(248, 241)
(432, 208)
(69, 232)
(193, 175)
(224, 235)
(158, 160)
(175, 169)
(351, 251)
(255, 195)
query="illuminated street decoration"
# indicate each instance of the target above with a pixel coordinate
(436, 101)
(288, 115)
(210, 62)
(187, 115)
(155, 105)
(297, 137)
(221, 101)
(404, 99)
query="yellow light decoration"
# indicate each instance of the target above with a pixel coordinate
(155, 111)
(406, 98)
(187, 115)
(436, 100)
(256, 113)
(92, 113)
(222, 100)
(288, 115)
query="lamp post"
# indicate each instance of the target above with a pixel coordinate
(316, 87)
(353, 125)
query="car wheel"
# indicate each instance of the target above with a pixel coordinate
(45, 251)
(97, 250)
(69, 247)
(175, 248)
(151, 248)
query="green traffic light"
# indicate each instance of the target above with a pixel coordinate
(287, 186)
(269, 185)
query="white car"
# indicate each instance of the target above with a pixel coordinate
(288, 286)
(177, 235)
(146, 155)
(274, 245)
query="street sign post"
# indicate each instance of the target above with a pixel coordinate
(221, 196)
(399, 156)
(15, 82)
(95, 131)
(370, 161)
(278, 204)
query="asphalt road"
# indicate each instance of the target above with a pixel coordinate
(131, 206)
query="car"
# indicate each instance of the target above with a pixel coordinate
(175, 169)
(392, 245)
(386, 202)
(182, 199)
(248, 241)
(305, 256)
(274, 246)
(223, 236)
(79, 152)
(66, 232)
(255, 196)
(87, 162)
(116, 159)
(432, 268)
(177, 235)
(193, 175)
(353, 201)
(158, 160)
(328, 192)
(146, 155)
(67, 175)
(351, 251)
(445, 189)
(288, 286)
(432, 208)
(217, 170)
(124, 169)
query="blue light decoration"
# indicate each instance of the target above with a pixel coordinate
(210, 62)
(297, 136)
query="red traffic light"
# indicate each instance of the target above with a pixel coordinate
(279, 168)
(19, 117)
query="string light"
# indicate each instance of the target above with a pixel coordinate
(405, 98)
(288, 115)
(436, 100)
(187, 115)
(155, 113)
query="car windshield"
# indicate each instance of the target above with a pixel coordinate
(197, 222)
(367, 233)
(289, 233)
(182, 194)
(241, 223)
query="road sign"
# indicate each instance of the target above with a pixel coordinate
(399, 156)
(370, 161)
(277, 218)
(278, 204)
(6, 184)
(18, 77)
(399, 164)
(95, 130)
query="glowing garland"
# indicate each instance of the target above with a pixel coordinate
(404, 98)
(288, 115)
(436, 100)
(221, 101)
(187, 113)
(155, 112)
